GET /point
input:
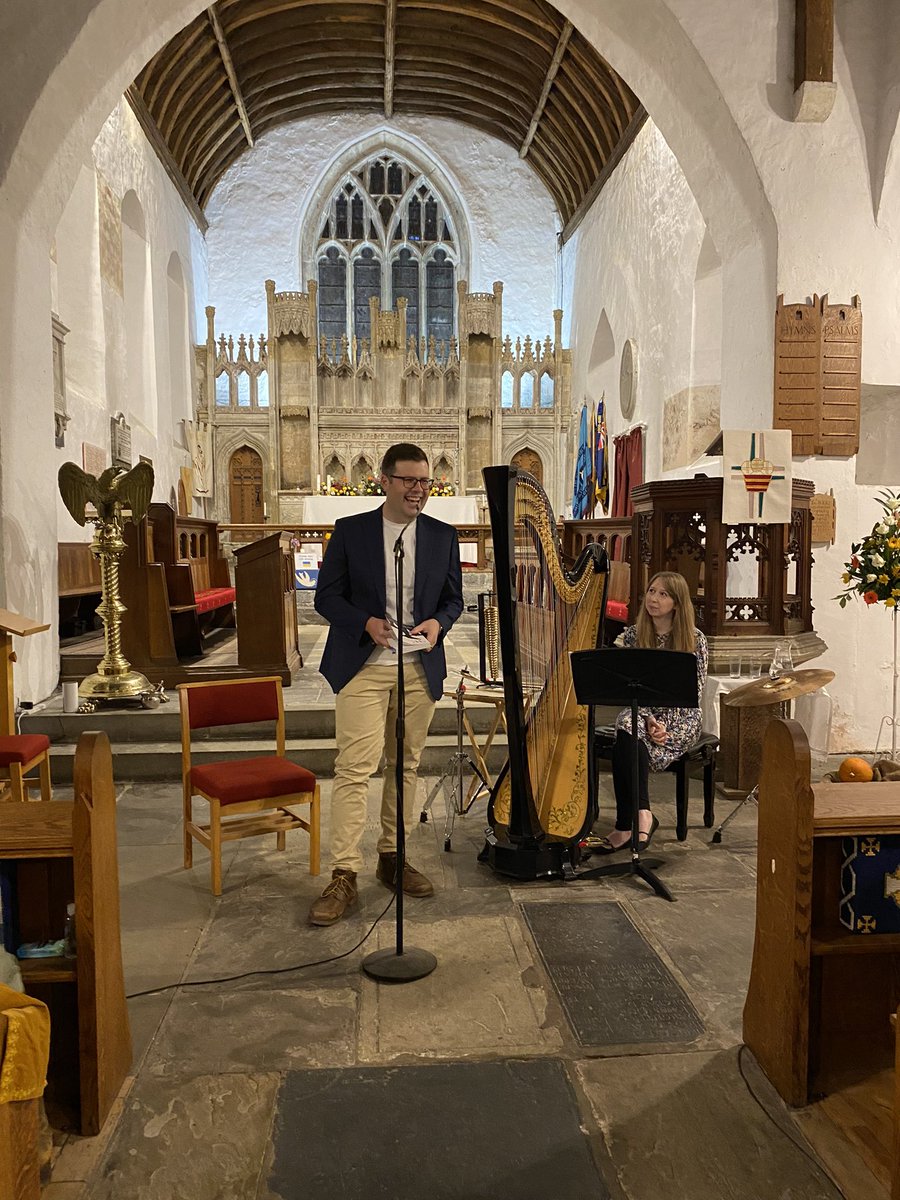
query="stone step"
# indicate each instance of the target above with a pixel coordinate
(140, 760)
(163, 724)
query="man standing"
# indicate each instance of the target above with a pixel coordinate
(356, 595)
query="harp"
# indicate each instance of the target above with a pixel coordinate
(544, 800)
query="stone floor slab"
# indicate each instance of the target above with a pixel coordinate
(709, 940)
(209, 1031)
(507, 1130)
(203, 1138)
(483, 997)
(685, 1125)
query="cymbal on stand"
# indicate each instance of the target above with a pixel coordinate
(773, 691)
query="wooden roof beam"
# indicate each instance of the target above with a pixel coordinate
(814, 86)
(390, 50)
(228, 64)
(555, 62)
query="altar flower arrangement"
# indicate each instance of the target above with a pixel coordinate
(371, 487)
(873, 571)
(442, 487)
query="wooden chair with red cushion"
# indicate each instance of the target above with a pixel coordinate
(21, 753)
(238, 788)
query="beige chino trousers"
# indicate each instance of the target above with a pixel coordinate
(365, 725)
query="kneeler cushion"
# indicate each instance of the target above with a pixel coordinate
(22, 748)
(252, 779)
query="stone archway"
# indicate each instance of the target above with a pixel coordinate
(69, 67)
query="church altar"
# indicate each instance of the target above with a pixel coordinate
(455, 510)
(325, 510)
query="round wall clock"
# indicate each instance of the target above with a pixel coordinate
(628, 379)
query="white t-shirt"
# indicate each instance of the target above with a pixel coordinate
(391, 531)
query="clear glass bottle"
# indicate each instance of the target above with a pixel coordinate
(69, 932)
(776, 666)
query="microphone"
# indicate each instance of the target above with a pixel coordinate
(398, 545)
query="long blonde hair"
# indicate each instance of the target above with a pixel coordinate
(683, 619)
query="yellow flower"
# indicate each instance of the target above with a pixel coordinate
(895, 571)
(845, 577)
(890, 602)
(894, 543)
(883, 579)
(896, 592)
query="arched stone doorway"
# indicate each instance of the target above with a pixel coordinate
(245, 487)
(529, 460)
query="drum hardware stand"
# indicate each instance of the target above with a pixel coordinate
(752, 795)
(453, 777)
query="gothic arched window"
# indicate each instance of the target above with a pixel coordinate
(386, 232)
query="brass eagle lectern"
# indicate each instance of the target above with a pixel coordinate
(116, 490)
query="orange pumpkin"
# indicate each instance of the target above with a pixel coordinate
(854, 770)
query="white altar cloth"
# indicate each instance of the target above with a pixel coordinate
(325, 510)
(455, 510)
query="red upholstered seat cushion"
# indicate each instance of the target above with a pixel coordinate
(22, 748)
(214, 598)
(617, 610)
(252, 779)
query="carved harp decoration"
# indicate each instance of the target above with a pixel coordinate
(545, 793)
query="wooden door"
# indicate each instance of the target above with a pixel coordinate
(245, 480)
(530, 461)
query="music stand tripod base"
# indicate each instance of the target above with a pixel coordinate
(387, 966)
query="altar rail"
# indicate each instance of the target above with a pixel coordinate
(479, 535)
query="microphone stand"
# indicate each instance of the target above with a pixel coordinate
(402, 964)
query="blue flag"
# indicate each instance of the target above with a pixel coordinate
(582, 469)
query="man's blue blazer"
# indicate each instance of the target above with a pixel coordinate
(351, 589)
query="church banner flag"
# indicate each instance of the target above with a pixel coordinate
(601, 458)
(756, 469)
(582, 467)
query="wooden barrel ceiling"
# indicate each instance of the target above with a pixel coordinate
(516, 69)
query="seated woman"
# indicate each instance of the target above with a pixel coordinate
(665, 622)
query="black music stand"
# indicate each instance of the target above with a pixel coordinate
(639, 679)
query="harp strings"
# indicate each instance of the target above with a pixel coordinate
(547, 611)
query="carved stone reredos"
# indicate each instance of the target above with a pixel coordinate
(290, 314)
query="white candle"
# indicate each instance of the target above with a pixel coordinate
(265, 511)
(328, 482)
(318, 483)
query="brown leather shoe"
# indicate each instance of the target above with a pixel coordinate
(414, 882)
(339, 896)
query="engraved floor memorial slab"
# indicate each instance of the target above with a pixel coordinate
(615, 989)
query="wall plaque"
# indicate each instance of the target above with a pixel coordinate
(120, 441)
(822, 508)
(93, 459)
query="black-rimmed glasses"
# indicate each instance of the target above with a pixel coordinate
(410, 482)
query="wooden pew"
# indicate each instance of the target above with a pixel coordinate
(820, 998)
(201, 597)
(78, 575)
(175, 586)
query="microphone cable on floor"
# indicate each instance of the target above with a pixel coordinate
(804, 1150)
(319, 962)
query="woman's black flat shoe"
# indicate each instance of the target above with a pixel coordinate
(644, 839)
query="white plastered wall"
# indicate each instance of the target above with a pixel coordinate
(258, 209)
(91, 299)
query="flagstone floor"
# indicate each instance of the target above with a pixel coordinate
(287, 1082)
